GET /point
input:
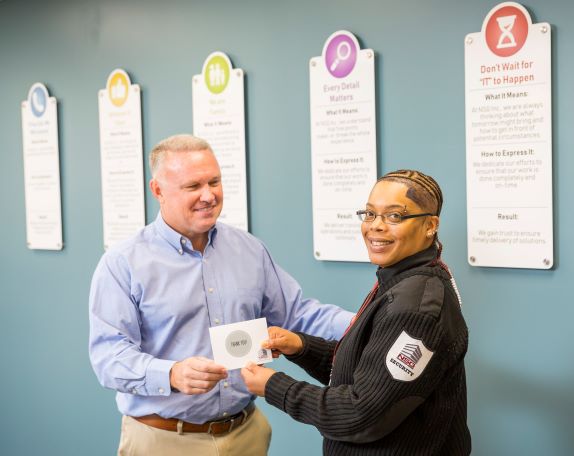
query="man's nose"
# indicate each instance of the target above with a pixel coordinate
(206, 194)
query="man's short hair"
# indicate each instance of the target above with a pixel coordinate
(176, 143)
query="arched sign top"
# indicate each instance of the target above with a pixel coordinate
(505, 28)
(216, 72)
(340, 53)
(38, 99)
(118, 87)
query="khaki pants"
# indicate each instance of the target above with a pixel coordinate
(251, 438)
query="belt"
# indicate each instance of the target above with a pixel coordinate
(211, 427)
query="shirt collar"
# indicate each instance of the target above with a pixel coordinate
(418, 259)
(175, 239)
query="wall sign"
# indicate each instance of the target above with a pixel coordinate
(219, 118)
(509, 141)
(343, 145)
(41, 170)
(121, 158)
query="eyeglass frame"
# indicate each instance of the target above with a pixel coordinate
(385, 220)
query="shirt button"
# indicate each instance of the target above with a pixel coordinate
(183, 241)
(211, 290)
(180, 251)
(225, 384)
(161, 390)
(225, 413)
(134, 391)
(204, 260)
(217, 321)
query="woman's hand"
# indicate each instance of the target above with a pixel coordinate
(282, 341)
(256, 377)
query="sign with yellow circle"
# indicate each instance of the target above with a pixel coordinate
(118, 87)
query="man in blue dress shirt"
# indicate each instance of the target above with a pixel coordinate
(154, 297)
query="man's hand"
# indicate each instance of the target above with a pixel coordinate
(256, 377)
(282, 341)
(196, 375)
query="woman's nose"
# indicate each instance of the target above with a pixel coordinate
(378, 224)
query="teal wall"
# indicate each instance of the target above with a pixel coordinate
(520, 365)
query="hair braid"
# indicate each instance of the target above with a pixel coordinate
(421, 181)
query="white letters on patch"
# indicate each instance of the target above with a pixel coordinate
(407, 358)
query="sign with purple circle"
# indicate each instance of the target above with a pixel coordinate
(340, 52)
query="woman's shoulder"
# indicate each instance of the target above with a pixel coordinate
(423, 290)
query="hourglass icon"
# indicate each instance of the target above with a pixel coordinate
(506, 39)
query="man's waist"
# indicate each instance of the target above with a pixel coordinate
(215, 427)
(198, 408)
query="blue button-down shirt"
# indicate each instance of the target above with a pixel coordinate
(154, 297)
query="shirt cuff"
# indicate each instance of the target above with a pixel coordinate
(157, 377)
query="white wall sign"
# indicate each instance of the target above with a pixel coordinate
(509, 141)
(121, 158)
(343, 145)
(41, 170)
(219, 118)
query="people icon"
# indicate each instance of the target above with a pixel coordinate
(216, 75)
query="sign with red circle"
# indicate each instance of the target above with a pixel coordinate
(508, 117)
(506, 30)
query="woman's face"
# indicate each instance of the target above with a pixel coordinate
(388, 244)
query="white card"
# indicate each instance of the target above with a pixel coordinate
(236, 344)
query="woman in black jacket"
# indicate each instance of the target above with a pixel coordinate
(395, 383)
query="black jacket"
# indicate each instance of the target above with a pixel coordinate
(397, 385)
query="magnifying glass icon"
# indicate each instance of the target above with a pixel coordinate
(343, 53)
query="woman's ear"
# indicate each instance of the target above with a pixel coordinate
(432, 225)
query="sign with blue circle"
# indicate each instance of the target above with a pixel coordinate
(38, 99)
(40, 148)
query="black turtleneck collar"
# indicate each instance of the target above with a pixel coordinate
(418, 259)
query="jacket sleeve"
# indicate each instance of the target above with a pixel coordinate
(376, 402)
(316, 357)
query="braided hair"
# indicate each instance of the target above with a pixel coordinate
(422, 189)
(426, 193)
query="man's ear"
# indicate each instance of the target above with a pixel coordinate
(156, 190)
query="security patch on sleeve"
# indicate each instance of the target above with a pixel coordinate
(407, 358)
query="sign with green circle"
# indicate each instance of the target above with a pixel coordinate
(216, 73)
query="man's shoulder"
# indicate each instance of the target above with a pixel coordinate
(134, 243)
(234, 234)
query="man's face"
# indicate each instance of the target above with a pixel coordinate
(388, 244)
(188, 188)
